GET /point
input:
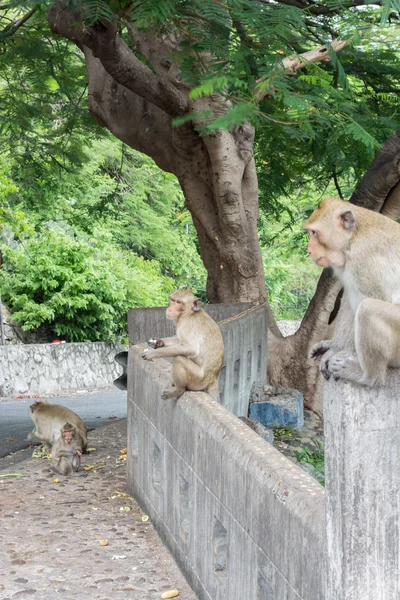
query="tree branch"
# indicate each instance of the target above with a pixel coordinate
(382, 177)
(292, 64)
(117, 58)
(15, 25)
(319, 9)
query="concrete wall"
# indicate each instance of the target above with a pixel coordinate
(245, 341)
(243, 522)
(362, 468)
(145, 323)
(54, 368)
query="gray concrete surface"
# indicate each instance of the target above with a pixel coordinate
(95, 407)
(243, 522)
(51, 532)
(362, 471)
(55, 368)
(144, 323)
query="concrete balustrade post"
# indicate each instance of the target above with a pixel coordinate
(362, 462)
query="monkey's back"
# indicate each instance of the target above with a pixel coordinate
(57, 415)
(201, 331)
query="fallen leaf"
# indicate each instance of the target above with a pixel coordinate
(123, 450)
(170, 594)
(103, 542)
(12, 475)
(56, 480)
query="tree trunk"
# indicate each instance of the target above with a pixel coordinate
(217, 172)
(289, 364)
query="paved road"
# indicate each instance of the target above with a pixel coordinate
(94, 407)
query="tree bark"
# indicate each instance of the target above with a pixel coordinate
(217, 172)
(289, 364)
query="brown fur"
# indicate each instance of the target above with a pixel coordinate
(197, 349)
(363, 247)
(66, 452)
(49, 420)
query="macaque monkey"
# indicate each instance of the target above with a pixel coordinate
(49, 420)
(363, 248)
(66, 452)
(197, 349)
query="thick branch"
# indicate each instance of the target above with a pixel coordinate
(319, 9)
(383, 175)
(391, 206)
(293, 63)
(117, 59)
(157, 51)
(15, 25)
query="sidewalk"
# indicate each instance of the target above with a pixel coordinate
(51, 533)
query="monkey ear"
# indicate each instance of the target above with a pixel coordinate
(347, 219)
(196, 305)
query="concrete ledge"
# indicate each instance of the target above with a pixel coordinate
(54, 368)
(362, 468)
(243, 522)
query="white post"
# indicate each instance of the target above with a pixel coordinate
(362, 462)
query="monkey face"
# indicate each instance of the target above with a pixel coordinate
(330, 228)
(181, 303)
(317, 251)
(68, 435)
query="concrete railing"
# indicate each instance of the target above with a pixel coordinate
(145, 323)
(245, 341)
(55, 368)
(362, 464)
(243, 522)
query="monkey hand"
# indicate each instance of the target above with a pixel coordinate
(153, 343)
(148, 354)
(318, 350)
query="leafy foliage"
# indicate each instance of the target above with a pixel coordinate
(317, 132)
(80, 250)
(82, 288)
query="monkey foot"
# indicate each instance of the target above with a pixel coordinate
(171, 394)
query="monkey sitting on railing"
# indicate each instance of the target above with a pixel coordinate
(197, 349)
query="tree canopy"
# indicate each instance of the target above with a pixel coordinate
(249, 103)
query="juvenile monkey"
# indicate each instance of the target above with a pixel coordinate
(49, 420)
(197, 349)
(66, 452)
(363, 248)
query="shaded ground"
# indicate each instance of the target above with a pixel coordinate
(52, 533)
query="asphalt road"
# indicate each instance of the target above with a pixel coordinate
(96, 408)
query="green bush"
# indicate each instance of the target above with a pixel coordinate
(80, 287)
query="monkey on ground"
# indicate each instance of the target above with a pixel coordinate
(66, 452)
(197, 349)
(49, 420)
(363, 248)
